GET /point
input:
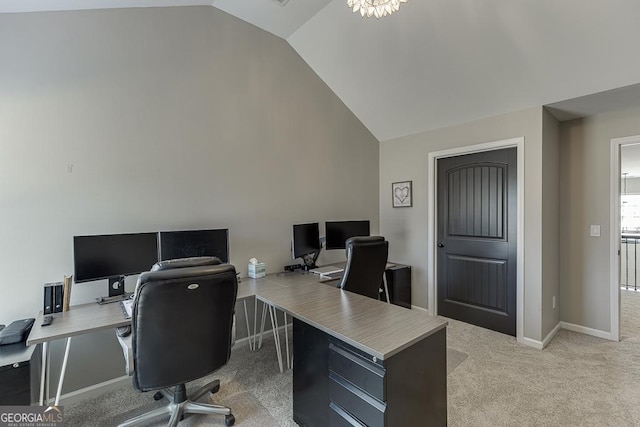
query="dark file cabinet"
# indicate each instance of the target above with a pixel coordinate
(337, 385)
(399, 284)
(19, 373)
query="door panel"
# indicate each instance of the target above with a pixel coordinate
(478, 281)
(476, 258)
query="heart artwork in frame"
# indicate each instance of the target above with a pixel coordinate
(401, 194)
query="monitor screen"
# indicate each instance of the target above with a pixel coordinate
(192, 243)
(337, 232)
(306, 239)
(112, 255)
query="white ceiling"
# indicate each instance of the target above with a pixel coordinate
(437, 63)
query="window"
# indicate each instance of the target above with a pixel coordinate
(630, 213)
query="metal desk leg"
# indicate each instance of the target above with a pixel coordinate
(246, 318)
(386, 289)
(63, 370)
(255, 321)
(286, 340)
(44, 372)
(276, 335)
(264, 318)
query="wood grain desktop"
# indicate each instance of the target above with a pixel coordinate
(409, 346)
(374, 327)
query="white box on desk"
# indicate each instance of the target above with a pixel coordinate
(257, 270)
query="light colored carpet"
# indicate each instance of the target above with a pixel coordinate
(251, 385)
(578, 380)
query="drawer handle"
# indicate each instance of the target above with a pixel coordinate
(345, 415)
(358, 360)
(372, 401)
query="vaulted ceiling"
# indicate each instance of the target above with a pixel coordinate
(437, 63)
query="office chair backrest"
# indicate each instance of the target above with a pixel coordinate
(366, 262)
(182, 320)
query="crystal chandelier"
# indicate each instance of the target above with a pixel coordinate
(377, 8)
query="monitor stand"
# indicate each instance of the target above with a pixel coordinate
(309, 261)
(116, 291)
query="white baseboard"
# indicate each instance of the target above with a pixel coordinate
(106, 386)
(538, 345)
(93, 391)
(562, 325)
(551, 335)
(588, 331)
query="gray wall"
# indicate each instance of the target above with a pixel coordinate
(585, 197)
(149, 119)
(406, 159)
(550, 222)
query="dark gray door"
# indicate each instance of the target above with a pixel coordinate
(476, 254)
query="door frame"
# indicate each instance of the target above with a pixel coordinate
(614, 232)
(432, 197)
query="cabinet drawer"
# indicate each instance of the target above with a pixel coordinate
(338, 417)
(22, 398)
(15, 380)
(356, 402)
(357, 370)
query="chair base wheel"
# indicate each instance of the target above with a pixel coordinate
(215, 389)
(229, 420)
(158, 396)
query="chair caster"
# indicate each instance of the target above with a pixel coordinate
(229, 420)
(215, 389)
(158, 396)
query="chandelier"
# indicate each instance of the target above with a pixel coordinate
(377, 8)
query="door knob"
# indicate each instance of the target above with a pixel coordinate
(440, 245)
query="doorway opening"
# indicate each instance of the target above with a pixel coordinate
(625, 236)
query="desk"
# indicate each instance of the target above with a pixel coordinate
(398, 280)
(407, 348)
(80, 319)
(360, 359)
(85, 319)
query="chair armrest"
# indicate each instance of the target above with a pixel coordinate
(127, 351)
(233, 331)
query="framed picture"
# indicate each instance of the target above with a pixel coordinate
(401, 194)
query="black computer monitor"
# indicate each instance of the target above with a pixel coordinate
(113, 256)
(305, 242)
(337, 232)
(192, 243)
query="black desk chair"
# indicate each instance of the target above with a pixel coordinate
(366, 263)
(181, 331)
